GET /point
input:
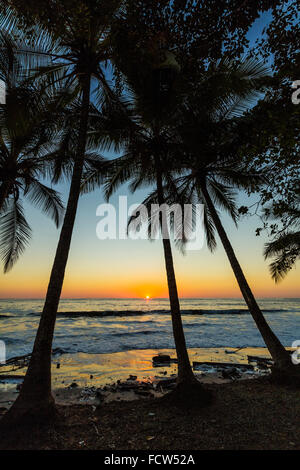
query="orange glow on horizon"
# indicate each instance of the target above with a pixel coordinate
(145, 285)
(95, 290)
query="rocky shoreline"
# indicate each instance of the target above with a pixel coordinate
(142, 374)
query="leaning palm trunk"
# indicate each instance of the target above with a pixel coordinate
(35, 401)
(185, 373)
(279, 354)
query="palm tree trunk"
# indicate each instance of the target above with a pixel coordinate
(185, 372)
(279, 354)
(35, 400)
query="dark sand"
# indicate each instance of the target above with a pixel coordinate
(246, 414)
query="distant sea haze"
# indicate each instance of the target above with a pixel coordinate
(114, 325)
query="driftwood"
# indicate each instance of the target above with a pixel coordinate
(163, 360)
(223, 364)
(237, 350)
(18, 362)
(15, 360)
(261, 360)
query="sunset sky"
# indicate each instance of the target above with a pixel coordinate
(126, 268)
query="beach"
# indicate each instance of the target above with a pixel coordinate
(99, 342)
(76, 378)
(114, 400)
(244, 415)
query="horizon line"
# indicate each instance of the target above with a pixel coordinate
(143, 298)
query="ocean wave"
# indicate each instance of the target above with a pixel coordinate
(128, 313)
(136, 333)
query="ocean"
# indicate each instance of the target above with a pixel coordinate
(96, 326)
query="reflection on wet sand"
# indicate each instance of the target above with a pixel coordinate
(131, 375)
(107, 368)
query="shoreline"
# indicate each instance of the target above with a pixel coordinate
(128, 414)
(78, 378)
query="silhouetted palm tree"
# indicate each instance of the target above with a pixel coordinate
(213, 185)
(77, 57)
(140, 128)
(145, 162)
(205, 148)
(214, 140)
(25, 139)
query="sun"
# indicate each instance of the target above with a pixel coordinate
(147, 297)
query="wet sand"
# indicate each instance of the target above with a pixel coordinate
(76, 377)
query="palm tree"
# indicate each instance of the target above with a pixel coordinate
(142, 164)
(214, 141)
(24, 141)
(140, 128)
(210, 190)
(210, 137)
(78, 55)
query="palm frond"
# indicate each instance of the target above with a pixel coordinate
(286, 250)
(209, 231)
(96, 169)
(46, 199)
(14, 234)
(240, 178)
(224, 197)
(121, 170)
